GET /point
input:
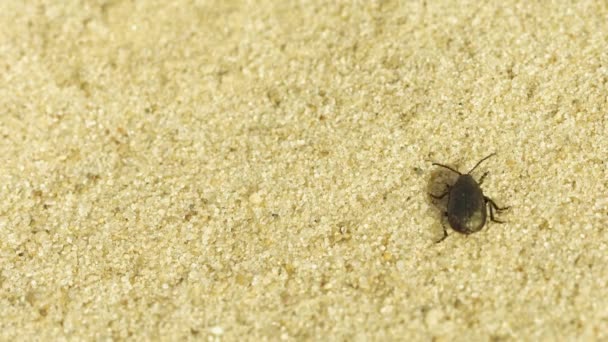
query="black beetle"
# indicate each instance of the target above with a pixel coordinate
(467, 205)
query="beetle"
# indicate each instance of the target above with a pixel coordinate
(467, 205)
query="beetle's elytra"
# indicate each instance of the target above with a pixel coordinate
(467, 205)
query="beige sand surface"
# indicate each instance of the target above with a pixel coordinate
(246, 170)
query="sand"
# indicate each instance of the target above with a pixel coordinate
(259, 170)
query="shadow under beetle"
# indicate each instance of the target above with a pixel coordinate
(467, 205)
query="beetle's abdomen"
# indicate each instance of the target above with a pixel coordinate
(466, 206)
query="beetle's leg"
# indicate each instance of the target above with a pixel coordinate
(492, 214)
(443, 194)
(483, 177)
(494, 204)
(440, 196)
(492, 207)
(445, 233)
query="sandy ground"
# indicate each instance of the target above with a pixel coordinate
(259, 170)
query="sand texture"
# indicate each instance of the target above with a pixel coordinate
(259, 170)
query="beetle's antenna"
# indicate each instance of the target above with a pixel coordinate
(447, 167)
(476, 165)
